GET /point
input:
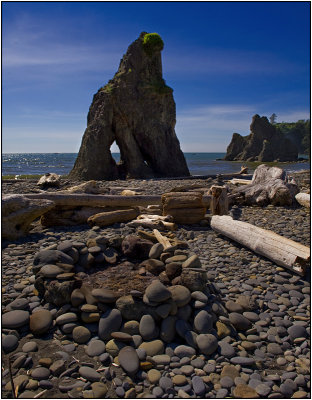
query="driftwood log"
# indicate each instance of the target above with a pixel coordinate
(153, 222)
(109, 218)
(268, 186)
(18, 212)
(99, 200)
(219, 204)
(69, 216)
(184, 207)
(303, 199)
(284, 252)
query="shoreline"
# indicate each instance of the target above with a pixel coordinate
(280, 301)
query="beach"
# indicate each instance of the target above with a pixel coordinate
(265, 355)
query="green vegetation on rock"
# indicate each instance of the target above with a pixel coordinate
(152, 43)
(298, 132)
(160, 87)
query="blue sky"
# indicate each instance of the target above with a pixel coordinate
(226, 61)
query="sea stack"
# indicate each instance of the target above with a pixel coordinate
(264, 143)
(137, 110)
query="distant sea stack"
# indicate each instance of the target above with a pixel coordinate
(137, 110)
(264, 143)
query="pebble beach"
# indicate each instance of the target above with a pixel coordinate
(245, 335)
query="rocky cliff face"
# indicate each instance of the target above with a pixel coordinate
(137, 110)
(264, 143)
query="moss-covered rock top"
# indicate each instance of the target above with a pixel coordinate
(152, 42)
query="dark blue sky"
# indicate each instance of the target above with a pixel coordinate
(226, 61)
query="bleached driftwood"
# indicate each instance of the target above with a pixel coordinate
(184, 207)
(19, 212)
(99, 200)
(284, 252)
(268, 185)
(237, 181)
(153, 221)
(303, 199)
(109, 218)
(66, 215)
(162, 239)
(219, 204)
(91, 187)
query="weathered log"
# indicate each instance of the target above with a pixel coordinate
(268, 185)
(237, 181)
(109, 218)
(19, 212)
(91, 187)
(153, 221)
(162, 239)
(186, 215)
(284, 252)
(219, 204)
(127, 192)
(182, 200)
(93, 200)
(303, 199)
(66, 215)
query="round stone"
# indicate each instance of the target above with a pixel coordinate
(66, 318)
(243, 391)
(245, 361)
(157, 292)
(121, 336)
(226, 349)
(226, 382)
(77, 297)
(113, 347)
(263, 390)
(90, 374)
(40, 373)
(95, 348)
(239, 321)
(153, 347)
(153, 376)
(165, 383)
(15, 319)
(9, 343)
(252, 316)
(203, 322)
(129, 360)
(51, 271)
(29, 347)
(40, 322)
(184, 351)
(156, 250)
(180, 295)
(147, 328)
(131, 327)
(274, 348)
(192, 262)
(198, 385)
(105, 295)
(167, 329)
(232, 306)
(297, 331)
(179, 380)
(19, 304)
(81, 334)
(109, 322)
(207, 343)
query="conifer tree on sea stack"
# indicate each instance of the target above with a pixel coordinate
(137, 110)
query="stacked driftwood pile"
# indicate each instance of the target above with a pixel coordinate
(184, 207)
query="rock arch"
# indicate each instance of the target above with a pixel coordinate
(137, 110)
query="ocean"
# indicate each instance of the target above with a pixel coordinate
(62, 163)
